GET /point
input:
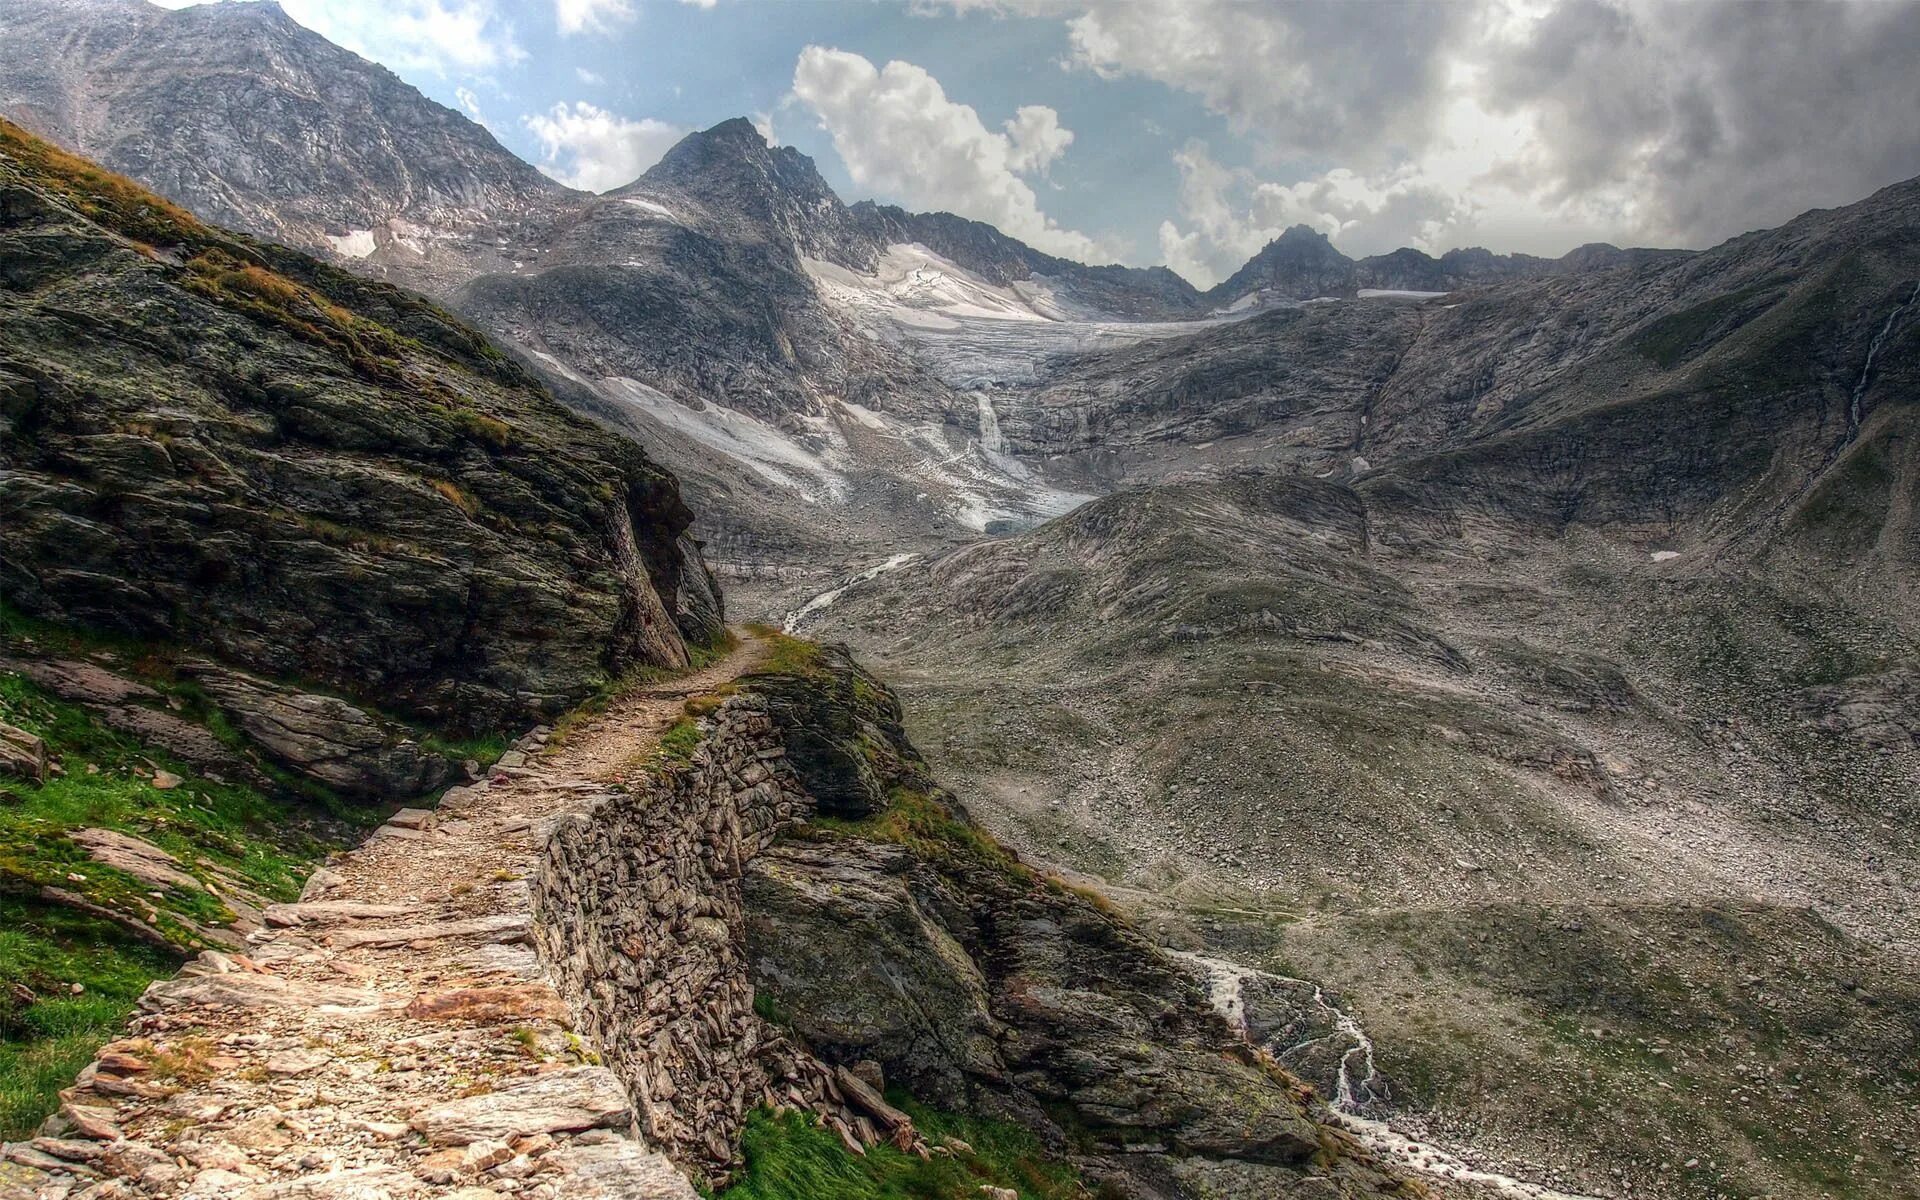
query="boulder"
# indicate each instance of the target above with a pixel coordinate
(560, 1101)
(341, 745)
(137, 857)
(22, 753)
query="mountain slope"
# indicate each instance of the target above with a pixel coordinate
(227, 445)
(253, 122)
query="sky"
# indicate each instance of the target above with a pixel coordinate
(1190, 132)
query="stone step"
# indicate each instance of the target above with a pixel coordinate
(505, 927)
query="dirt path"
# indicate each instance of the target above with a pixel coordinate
(391, 1035)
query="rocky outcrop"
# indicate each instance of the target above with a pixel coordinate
(228, 446)
(325, 737)
(23, 754)
(717, 945)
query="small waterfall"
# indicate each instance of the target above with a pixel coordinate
(1360, 1086)
(1866, 368)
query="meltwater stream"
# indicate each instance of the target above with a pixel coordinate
(1360, 1087)
(1873, 351)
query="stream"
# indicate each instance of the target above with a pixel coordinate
(1360, 1088)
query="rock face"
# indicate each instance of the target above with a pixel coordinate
(984, 990)
(227, 445)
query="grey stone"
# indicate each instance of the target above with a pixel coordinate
(574, 1099)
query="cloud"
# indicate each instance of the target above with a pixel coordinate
(899, 135)
(1522, 124)
(593, 149)
(444, 37)
(590, 78)
(1301, 78)
(700, 3)
(1690, 122)
(1036, 138)
(1227, 215)
(763, 124)
(591, 16)
(470, 103)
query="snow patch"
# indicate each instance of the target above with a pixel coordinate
(864, 415)
(1396, 294)
(658, 210)
(769, 452)
(911, 281)
(1663, 555)
(792, 623)
(355, 243)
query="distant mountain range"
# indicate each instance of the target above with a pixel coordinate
(251, 120)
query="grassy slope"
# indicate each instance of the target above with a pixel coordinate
(218, 831)
(48, 1031)
(791, 1157)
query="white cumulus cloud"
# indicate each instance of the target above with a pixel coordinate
(587, 147)
(1036, 138)
(445, 37)
(588, 16)
(900, 136)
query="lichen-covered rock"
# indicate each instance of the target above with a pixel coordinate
(227, 445)
(842, 733)
(341, 745)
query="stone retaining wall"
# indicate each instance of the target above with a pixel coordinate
(638, 917)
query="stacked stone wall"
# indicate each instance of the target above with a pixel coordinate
(638, 916)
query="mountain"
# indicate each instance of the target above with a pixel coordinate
(230, 446)
(1302, 264)
(253, 122)
(1531, 671)
(1501, 703)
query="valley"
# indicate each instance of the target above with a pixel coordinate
(1488, 683)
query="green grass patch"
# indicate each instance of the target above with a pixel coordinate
(793, 1157)
(107, 782)
(484, 749)
(47, 1030)
(931, 830)
(786, 654)
(678, 743)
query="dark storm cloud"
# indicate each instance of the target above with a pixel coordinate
(1715, 117)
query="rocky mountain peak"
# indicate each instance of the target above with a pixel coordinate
(775, 190)
(242, 115)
